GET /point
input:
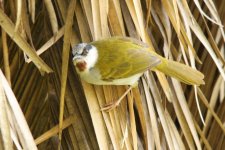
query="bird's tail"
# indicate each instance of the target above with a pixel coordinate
(181, 72)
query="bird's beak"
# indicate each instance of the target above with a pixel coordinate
(77, 57)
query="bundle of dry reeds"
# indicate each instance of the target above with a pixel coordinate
(37, 76)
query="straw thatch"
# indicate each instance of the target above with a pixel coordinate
(59, 109)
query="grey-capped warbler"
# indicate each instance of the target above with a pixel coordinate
(123, 60)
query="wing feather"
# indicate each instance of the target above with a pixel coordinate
(123, 57)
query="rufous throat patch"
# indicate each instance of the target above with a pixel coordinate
(81, 65)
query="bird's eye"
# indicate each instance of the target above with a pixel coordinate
(86, 50)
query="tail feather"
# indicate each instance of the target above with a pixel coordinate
(181, 72)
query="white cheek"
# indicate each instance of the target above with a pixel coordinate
(91, 58)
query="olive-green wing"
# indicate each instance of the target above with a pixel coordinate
(123, 57)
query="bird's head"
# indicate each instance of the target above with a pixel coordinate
(84, 56)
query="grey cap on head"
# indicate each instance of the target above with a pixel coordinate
(77, 48)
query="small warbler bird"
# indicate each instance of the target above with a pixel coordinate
(123, 60)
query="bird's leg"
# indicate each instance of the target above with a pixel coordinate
(114, 104)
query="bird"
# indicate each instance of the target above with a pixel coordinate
(122, 61)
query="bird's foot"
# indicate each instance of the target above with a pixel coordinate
(110, 106)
